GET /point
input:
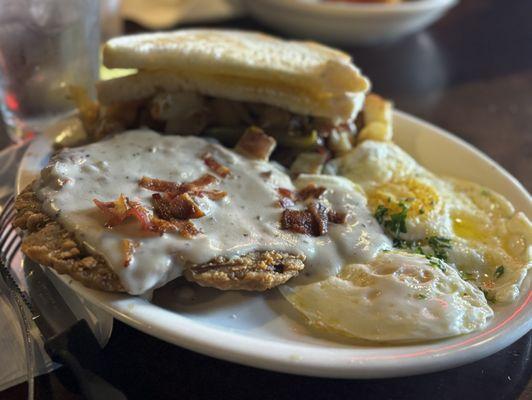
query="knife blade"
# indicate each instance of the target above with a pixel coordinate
(67, 339)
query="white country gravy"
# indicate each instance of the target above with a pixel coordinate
(246, 220)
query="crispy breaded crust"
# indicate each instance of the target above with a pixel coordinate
(48, 243)
(257, 271)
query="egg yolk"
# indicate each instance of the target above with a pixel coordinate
(469, 227)
(419, 197)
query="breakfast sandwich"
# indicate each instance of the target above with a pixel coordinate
(218, 83)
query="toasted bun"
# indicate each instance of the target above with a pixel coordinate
(302, 77)
(148, 83)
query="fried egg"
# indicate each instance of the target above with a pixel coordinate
(474, 229)
(398, 296)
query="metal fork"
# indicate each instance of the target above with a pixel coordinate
(10, 241)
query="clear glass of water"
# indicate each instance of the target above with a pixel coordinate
(45, 47)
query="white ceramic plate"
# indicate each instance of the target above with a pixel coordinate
(347, 23)
(263, 330)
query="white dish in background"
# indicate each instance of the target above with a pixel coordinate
(264, 331)
(347, 23)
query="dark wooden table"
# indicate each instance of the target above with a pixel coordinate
(471, 73)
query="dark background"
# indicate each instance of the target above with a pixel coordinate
(471, 73)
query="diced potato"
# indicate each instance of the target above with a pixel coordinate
(177, 105)
(340, 142)
(378, 131)
(255, 144)
(377, 113)
(308, 163)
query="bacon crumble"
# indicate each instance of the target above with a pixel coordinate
(256, 144)
(128, 247)
(313, 221)
(193, 188)
(266, 174)
(215, 166)
(311, 191)
(173, 205)
(119, 210)
(336, 217)
(142, 215)
(319, 217)
(289, 197)
(285, 202)
(180, 207)
(298, 221)
(185, 228)
(284, 192)
(122, 208)
(159, 185)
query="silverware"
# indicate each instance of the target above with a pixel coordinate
(9, 245)
(67, 339)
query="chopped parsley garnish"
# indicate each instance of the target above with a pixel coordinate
(499, 271)
(420, 296)
(397, 222)
(412, 245)
(402, 244)
(467, 276)
(439, 246)
(436, 262)
(380, 213)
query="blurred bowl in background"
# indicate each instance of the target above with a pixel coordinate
(166, 14)
(345, 23)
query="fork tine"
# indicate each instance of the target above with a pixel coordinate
(12, 246)
(5, 243)
(7, 225)
(9, 202)
(6, 218)
(6, 229)
(9, 219)
(10, 242)
(8, 206)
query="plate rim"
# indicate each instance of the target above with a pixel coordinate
(341, 8)
(283, 357)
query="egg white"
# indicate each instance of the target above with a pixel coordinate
(397, 297)
(488, 242)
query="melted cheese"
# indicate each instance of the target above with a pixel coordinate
(246, 220)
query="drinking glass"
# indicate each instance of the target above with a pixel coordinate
(45, 47)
